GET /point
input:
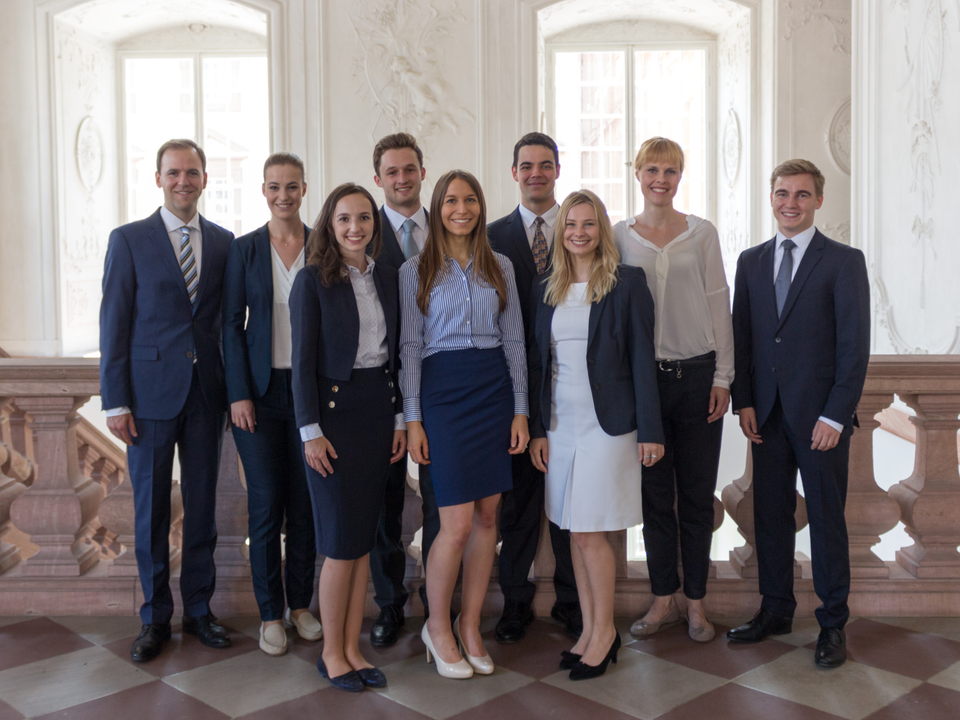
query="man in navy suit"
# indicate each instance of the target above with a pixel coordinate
(801, 323)
(526, 236)
(399, 172)
(162, 386)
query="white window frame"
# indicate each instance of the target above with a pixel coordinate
(197, 56)
(633, 199)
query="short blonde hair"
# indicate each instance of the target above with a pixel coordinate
(603, 275)
(799, 166)
(659, 148)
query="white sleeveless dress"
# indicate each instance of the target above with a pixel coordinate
(593, 479)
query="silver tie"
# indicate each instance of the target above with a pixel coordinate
(785, 274)
(407, 242)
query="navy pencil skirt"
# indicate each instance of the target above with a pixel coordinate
(467, 402)
(356, 416)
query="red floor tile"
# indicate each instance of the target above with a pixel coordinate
(925, 702)
(33, 640)
(718, 657)
(153, 701)
(733, 702)
(542, 701)
(537, 655)
(184, 652)
(899, 650)
(333, 703)
(8, 713)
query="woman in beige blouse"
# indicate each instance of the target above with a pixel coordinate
(693, 342)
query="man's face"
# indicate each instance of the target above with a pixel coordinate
(182, 180)
(795, 202)
(537, 172)
(400, 177)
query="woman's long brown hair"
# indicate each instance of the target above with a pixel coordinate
(432, 263)
(322, 248)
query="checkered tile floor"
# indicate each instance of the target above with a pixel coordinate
(79, 668)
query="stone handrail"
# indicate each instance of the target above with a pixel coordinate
(66, 506)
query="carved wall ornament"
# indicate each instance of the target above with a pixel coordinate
(885, 316)
(839, 138)
(732, 145)
(803, 13)
(401, 60)
(837, 231)
(89, 153)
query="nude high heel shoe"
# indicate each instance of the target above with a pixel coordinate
(459, 670)
(481, 665)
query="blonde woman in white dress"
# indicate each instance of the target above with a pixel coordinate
(594, 409)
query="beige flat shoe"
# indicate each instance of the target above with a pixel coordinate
(273, 639)
(701, 633)
(641, 628)
(306, 625)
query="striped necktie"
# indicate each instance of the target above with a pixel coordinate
(188, 265)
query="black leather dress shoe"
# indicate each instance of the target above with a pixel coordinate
(386, 626)
(831, 648)
(763, 625)
(513, 624)
(207, 631)
(149, 642)
(568, 614)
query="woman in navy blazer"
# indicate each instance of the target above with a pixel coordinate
(256, 344)
(344, 310)
(594, 408)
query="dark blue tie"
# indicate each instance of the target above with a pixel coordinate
(785, 274)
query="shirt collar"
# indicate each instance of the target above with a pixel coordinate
(802, 239)
(529, 217)
(172, 222)
(351, 270)
(396, 219)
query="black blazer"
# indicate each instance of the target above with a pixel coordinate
(620, 360)
(815, 354)
(391, 253)
(326, 334)
(509, 237)
(248, 315)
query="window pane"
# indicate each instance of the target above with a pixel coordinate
(160, 105)
(670, 88)
(590, 121)
(236, 139)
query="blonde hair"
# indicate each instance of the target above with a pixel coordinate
(659, 148)
(603, 274)
(799, 167)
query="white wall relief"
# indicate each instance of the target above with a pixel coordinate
(731, 146)
(89, 153)
(839, 136)
(803, 13)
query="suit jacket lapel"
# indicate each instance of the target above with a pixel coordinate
(388, 302)
(596, 310)
(766, 278)
(206, 230)
(518, 236)
(810, 258)
(261, 244)
(165, 249)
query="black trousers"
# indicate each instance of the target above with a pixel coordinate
(824, 476)
(687, 474)
(388, 561)
(277, 488)
(520, 514)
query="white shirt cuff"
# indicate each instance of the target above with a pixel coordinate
(113, 412)
(398, 423)
(311, 432)
(835, 425)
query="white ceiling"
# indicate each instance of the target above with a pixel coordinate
(114, 20)
(709, 15)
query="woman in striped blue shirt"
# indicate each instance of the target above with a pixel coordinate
(464, 384)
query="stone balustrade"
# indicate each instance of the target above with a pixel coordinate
(66, 508)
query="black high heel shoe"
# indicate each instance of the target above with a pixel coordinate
(582, 671)
(568, 659)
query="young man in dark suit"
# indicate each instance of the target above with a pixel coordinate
(399, 172)
(525, 236)
(162, 386)
(801, 323)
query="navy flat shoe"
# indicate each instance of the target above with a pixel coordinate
(372, 677)
(351, 681)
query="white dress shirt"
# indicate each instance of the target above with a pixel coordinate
(549, 221)
(282, 335)
(803, 242)
(173, 224)
(372, 348)
(690, 293)
(420, 221)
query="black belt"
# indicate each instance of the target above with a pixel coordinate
(678, 366)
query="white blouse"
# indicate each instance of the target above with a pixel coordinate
(282, 346)
(693, 307)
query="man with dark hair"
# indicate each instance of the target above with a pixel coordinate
(801, 326)
(162, 386)
(526, 237)
(398, 164)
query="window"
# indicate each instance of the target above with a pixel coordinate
(606, 100)
(221, 99)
